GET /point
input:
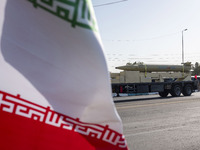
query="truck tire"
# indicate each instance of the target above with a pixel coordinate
(163, 94)
(176, 91)
(187, 90)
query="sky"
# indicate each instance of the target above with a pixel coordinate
(149, 31)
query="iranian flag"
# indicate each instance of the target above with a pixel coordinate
(55, 91)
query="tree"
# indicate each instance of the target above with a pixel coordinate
(196, 69)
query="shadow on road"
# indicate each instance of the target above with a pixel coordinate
(123, 100)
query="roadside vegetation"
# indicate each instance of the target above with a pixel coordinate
(196, 69)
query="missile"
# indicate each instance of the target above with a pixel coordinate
(155, 68)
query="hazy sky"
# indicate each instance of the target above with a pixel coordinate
(149, 31)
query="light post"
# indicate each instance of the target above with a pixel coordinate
(183, 46)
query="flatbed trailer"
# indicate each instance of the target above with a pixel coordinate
(163, 88)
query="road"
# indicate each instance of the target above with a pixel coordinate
(154, 123)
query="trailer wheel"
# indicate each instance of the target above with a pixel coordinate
(176, 91)
(187, 91)
(163, 94)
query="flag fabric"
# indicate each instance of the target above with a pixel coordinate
(54, 84)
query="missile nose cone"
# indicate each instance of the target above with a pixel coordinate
(120, 67)
(126, 67)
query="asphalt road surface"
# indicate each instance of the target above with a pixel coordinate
(154, 123)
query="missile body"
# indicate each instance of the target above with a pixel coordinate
(155, 68)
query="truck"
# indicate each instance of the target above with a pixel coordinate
(148, 78)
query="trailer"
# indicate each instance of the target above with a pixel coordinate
(163, 79)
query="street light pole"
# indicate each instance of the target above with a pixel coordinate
(183, 46)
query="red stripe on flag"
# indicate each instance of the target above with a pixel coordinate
(26, 125)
